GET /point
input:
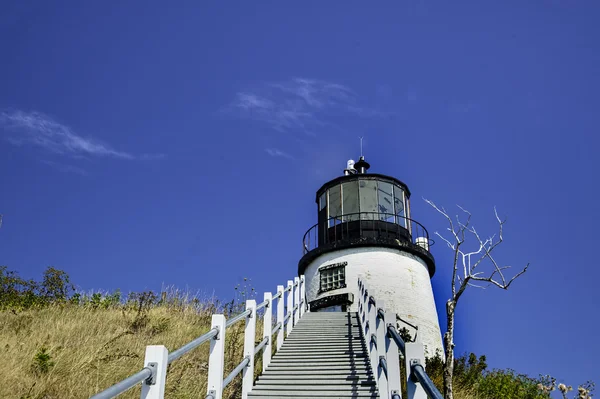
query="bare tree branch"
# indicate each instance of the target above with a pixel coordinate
(473, 265)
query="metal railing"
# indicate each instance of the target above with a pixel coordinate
(153, 375)
(357, 225)
(384, 349)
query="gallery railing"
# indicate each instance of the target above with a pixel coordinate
(376, 225)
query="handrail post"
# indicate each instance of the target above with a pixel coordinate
(249, 338)
(296, 299)
(280, 316)
(393, 358)
(365, 304)
(290, 308)
(366, 310)
(303, 295)
(382, 378)
(216, 359)
(371, 338)
(157, 359)
(414, 353)
(267, 331)
(359, 304)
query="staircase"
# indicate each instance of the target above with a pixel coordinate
(323, 357)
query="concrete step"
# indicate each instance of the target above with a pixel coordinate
(317, 323)
(322, 349)
(328, 331)
(315, 382)
(339, 375)
(321, 344)
(308, 335)
(321, 327)
(335, 373)
(319, 340)
(322, 361)
(290, 380)
(357, 346)
(325, 328)
(322, 352)
(268, 395)
(362, 373)
(320, 367)
(325, 332)
(329, 359)
(321, 355)
(321, 315)
(339, 388)
(326, 358)
(344, 320)
(309, 395)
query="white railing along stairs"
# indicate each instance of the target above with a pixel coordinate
(320, 354)
(384, 346)
(290, 308)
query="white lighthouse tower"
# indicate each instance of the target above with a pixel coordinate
(365, 229)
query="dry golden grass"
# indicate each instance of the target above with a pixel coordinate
(91, 349)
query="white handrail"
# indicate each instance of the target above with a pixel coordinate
(153, 375)
(384, 346)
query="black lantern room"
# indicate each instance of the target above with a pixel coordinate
(364, 209)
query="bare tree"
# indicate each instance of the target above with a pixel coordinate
(476, 268)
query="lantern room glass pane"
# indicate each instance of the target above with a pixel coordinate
(350, 203)
(386, 201)
(323, 201)
(368, 199)
(335, 204)
(399, 206)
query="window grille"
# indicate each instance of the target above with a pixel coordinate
(332, 277)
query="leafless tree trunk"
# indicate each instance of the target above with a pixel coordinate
(477, 269)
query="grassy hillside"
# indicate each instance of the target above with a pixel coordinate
(73, 351)
(58, 344)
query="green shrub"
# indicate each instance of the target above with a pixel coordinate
(507, 384)
(42, 362)
(56, 285)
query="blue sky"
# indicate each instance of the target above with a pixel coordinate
(143, 145)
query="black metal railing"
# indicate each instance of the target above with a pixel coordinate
(357, 225)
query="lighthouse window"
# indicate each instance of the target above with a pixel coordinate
(323, 201)
(386, 201)
(350, 204)
(399, 206)
(368, 199)
(335, 204)
(332, 277)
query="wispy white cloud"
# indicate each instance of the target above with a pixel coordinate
(252, 101)
(275, 152)
(36, 129)
(299, 105)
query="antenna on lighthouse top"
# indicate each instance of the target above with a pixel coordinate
(361, 145)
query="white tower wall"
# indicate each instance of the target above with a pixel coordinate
(399, 278)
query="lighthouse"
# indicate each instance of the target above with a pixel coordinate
(365, 230)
